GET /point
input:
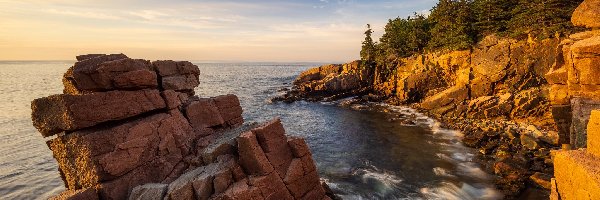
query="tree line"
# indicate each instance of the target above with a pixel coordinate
(459, 24)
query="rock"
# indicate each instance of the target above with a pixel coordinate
(57, 113)
(541, 180)
(451, 95)
(82, 194)
(110, 72)
(174, 99)
(587, 14)
(317, 73)
(88, 56)
(490, 59)
(593, 133)
(576, 174)
(581, 110)
(252, 158)
(529, 142)
(298, 146)
(91, 156)
(274, 143)
(136, 142)
(177, 75)
(149, 192)
(230, 109)
(204, 113)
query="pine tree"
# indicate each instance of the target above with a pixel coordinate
(453, 27)
(542, 18)
(367, 53)
(492, 16)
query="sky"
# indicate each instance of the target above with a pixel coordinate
(212, 30)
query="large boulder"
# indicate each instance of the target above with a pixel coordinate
(587, 14)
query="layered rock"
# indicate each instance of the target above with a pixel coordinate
(574, 81)
(131, 128)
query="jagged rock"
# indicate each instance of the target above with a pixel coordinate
(89, 157)
(587, 14)
(317, 73)
(66, 112)
(177, 75)
(174, 99)
(139, 144)
(149, 192)
(451, 95)
(109, 72)
(204, 113)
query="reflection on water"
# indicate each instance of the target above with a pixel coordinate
(360, 153)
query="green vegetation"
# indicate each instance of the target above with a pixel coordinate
(459, 24)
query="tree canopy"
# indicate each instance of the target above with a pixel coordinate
(459, 24)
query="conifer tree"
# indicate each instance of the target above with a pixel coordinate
(542, 18)
(492, 16)
(453, 25)
(367, 53)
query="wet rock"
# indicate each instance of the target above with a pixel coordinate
(66, 112)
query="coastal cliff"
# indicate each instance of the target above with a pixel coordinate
(132, 129)
(514, 100)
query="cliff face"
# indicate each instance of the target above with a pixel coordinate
(575, 83)
(131, 128)
(496, 93)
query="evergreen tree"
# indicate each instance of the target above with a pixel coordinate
(492, 16)
(404, 37)
(542, 18)
(453, 27)
(367, 53)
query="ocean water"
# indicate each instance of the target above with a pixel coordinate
(360, 153)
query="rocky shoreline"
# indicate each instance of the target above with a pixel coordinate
(496, 94)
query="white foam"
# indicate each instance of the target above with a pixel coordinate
(442, 172)
(450, 191)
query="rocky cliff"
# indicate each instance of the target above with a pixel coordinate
(513, 100)
(133, 129)
(575, 81)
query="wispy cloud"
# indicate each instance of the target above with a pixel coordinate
(316, 30)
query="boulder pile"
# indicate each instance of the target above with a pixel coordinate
(132, 129)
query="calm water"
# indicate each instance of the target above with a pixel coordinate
(360, 153)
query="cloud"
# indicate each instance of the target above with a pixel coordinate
(209, 29)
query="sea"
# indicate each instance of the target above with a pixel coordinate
(359, 152)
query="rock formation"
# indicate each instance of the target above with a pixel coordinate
(133, 129)
(575, 87)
